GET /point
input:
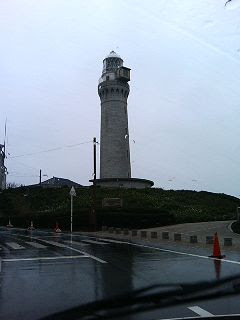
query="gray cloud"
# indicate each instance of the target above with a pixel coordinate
(184, 99)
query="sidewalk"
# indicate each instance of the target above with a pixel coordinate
(201, 230)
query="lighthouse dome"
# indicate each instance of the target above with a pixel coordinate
(112, 62)
(113, 54)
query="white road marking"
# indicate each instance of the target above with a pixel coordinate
(67, 247)
(154, 248)
(43, 258)
(113, 241)
(14, 245)
(77, 243)
(182, 318)
(178, 252)
(201, 312)
(36, 245)
(197, 317)
(55, 243)
(73, 249)
(184, 253)
(94, 242)
(148, 247)
(56, 236)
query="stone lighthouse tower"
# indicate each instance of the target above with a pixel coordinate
(113, 90)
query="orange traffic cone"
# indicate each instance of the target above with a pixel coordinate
(9, 225)
(216, 248)
(57, 229)
(31, 226)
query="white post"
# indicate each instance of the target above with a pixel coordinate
(71, 211)
(72, 194)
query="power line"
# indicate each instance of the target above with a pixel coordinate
(49, 150)
(12, 175)
(26, 165)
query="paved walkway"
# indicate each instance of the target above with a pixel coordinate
(201, 230)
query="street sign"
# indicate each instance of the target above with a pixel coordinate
(72, 192)
(112, 203)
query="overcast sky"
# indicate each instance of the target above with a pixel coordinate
(184, 101)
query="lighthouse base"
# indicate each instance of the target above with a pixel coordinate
(127, 183)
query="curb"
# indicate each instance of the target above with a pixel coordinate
(229, 227)
(166, 235)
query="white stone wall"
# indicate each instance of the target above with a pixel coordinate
(124, 184)
(114, 143)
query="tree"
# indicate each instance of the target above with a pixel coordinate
(11, 185)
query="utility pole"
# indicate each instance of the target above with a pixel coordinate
(40, 177)
(93, 219)
(3, 169)
(71, 217)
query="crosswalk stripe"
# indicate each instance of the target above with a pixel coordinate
(14, 245)
(77, 243)
(201, 312)
(74, 249)
(94, 241)
(36, 245)
(54, 243)
(113, 241)
(43, 258)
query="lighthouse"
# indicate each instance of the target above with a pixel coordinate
(113, 91)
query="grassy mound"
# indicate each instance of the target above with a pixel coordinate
(141, 208)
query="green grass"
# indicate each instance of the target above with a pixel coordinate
(141, 208)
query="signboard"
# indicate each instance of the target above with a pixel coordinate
(72, 192)
(112, 203)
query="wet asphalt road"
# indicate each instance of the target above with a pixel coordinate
(43, 273)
